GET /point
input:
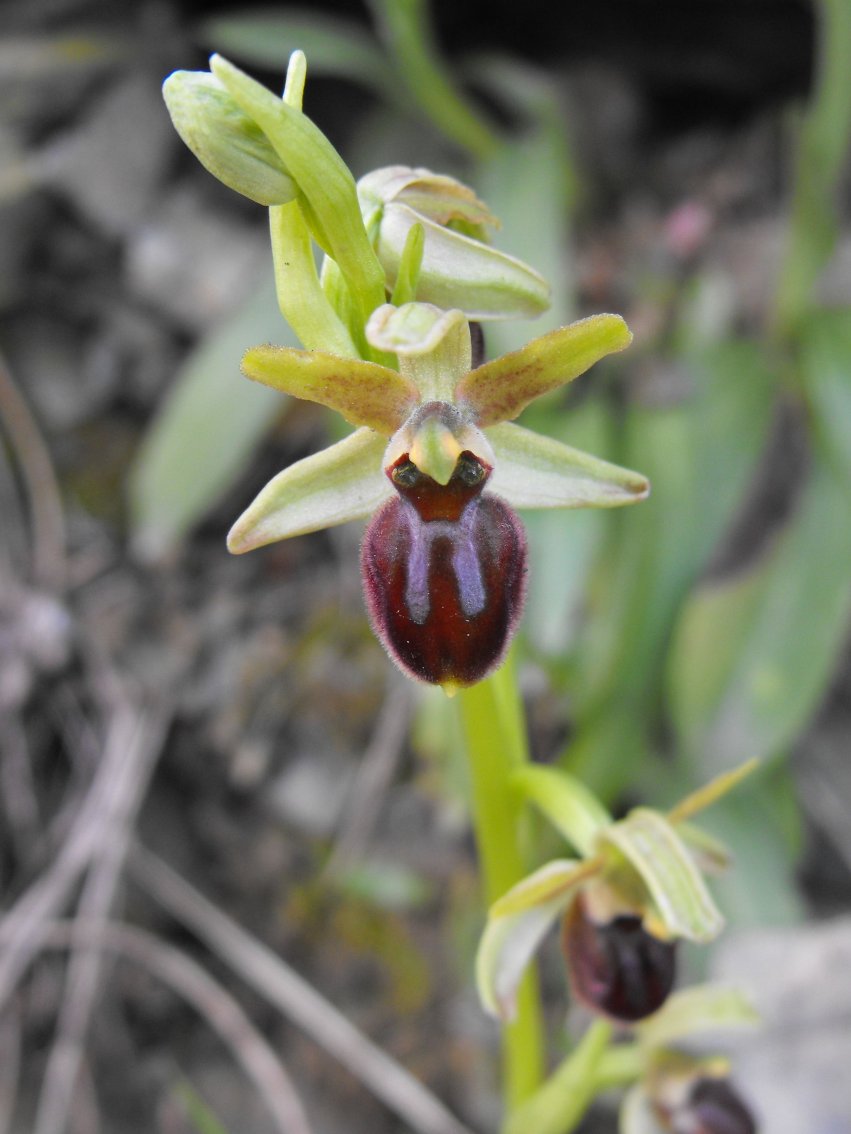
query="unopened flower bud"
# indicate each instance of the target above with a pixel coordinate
(459, 269)
(225, 140)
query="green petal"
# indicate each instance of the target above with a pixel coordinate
(509, 942)
(499, 390)
(363, 392)
(343, 482)
(667, 868)
(225, 140)
(533, 471)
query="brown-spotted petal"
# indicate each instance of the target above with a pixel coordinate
(363, 392)
(340, 483)
(534, 471)
(500, 389)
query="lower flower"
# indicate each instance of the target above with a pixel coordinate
(617, 967)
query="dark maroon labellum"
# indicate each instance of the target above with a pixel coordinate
(444, 571)
(617, 968)
(713, 1107)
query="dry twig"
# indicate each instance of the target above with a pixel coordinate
(260, 968)
(114, 825)
(191, 982)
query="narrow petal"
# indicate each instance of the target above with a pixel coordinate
(533, 471)
(499, 390)
(343, 482)
(363, 392)
(508, 943)
(550, 882)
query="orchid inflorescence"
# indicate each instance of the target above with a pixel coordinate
(435, 459)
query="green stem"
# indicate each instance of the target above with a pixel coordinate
(494, 729)
(560, 1105)
(619, 1066)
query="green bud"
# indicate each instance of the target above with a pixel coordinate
(459, 269)
(225, 139)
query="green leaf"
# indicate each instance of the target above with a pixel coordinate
(762, 889)
(204, 432)
(499, 390)
(821, 155)
(363, 392)
(825, 369)
(539, 156)
(225, 140)
(753, 653)
(679, 894)
(341, 483)
(405, 27)
(534, 471)
(699, 456)
(334, 46)
(566, 802)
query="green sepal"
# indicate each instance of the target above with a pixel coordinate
(499, 390)
(566, 802)
(654, 849)
(534, 471)
(326, 188)
(363, 392)
(226, 140)
(695, 1011)
(636, 1113)
(516, 925)
(343, 482)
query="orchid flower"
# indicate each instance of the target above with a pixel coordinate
(636, 889)
(444, 561)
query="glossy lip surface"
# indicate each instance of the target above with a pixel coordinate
(444, 571)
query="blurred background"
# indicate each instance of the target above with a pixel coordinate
(179, 725)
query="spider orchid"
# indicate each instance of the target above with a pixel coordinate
(439, 465)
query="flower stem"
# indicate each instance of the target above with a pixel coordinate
(560, 1105)
(494, 730)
